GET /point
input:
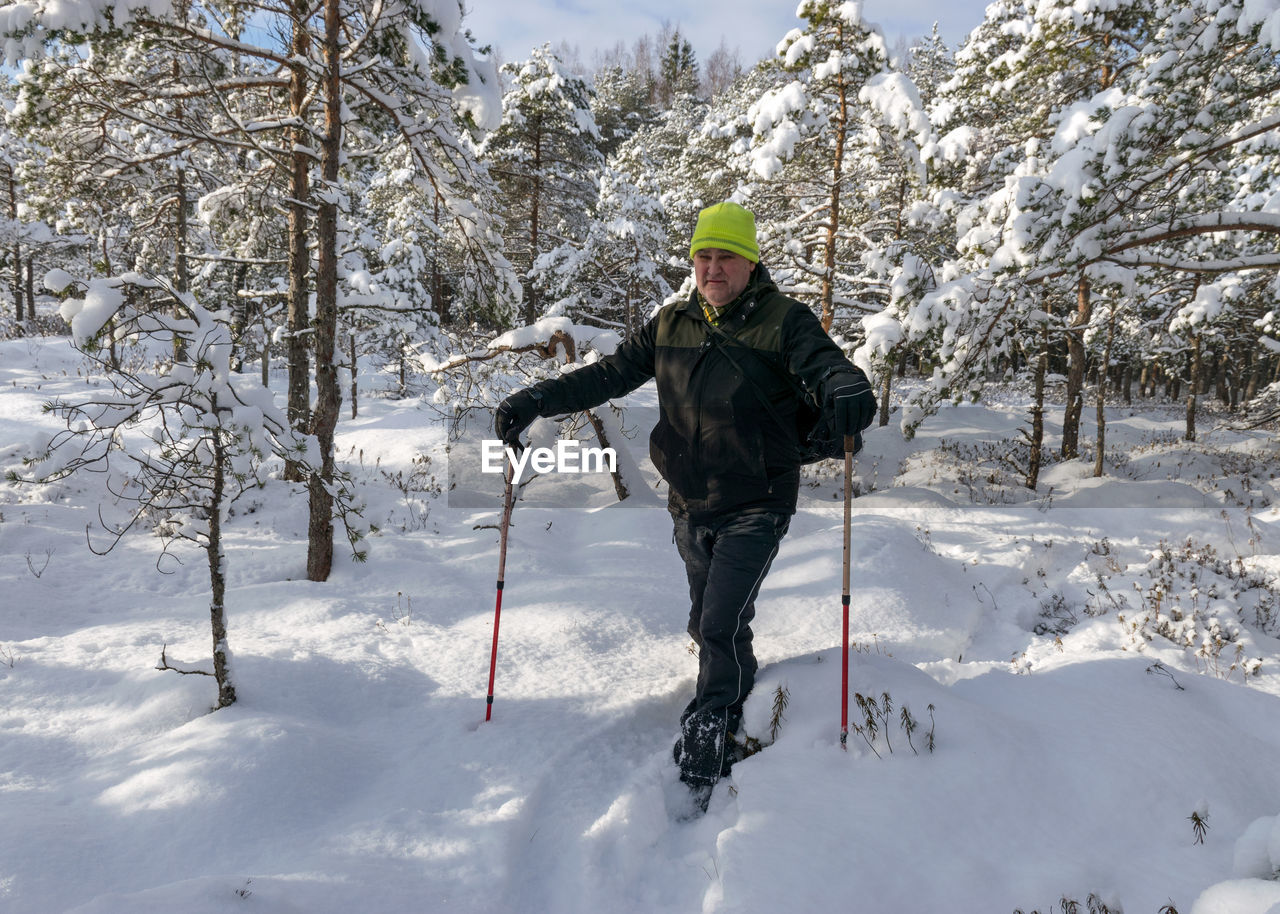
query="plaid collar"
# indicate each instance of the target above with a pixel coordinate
(717, 316)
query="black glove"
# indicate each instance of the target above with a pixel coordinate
(514, 415)
(854, 403)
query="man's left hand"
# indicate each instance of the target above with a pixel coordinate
(855, 404)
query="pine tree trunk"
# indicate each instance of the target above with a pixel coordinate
(218, 580)
(886, 387)
(1102, 394)
(535, 204)
(351, 358)
(239, 316)
(299, 398)
(1036, 441)
(1223, 382)
(630, 315)
(181, 274)
(1193, 388)
(113, 351)
(1075, 371)
(328, 397)
(265, 352)
(31, 286)
(837, 177)
(1253, 376)
(437, 274)
(17, 250)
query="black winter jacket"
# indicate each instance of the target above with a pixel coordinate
(716, 445)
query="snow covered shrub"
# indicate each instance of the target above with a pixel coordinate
(50, 324)
(1186, 594)
(416, 487)
(986, 472)
(866, 475)
(1197, 600)
(1056, 616)
(1239, 473)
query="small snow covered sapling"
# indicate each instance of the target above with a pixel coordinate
(1161, 669)
(1095, 905)
(781, 697)
(177, 443)
(48, 557)
(404, 609)
(909, 726)
(1199, 819)
(877, 717)
(869, 726)
(415, 486)
(750, 745)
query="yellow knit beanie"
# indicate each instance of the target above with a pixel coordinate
(729, 227)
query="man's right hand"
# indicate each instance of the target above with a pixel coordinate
(514, 415)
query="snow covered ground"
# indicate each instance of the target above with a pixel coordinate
(1084, 661)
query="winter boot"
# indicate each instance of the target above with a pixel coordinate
(733, 749)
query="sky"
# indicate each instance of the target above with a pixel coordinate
(753, 27)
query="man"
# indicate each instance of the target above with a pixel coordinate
(726, 443)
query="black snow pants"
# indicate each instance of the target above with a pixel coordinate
(726, 560)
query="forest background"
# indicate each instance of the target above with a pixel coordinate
(1082, 194)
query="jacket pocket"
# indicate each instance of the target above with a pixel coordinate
(732, 438)
(674, 458)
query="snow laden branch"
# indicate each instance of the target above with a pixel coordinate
(1134, 167)
(837, 139)
(553, 339)
(423, 117)
(1125, 154)
(549, 338)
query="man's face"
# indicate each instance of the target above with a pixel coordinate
(721, 275)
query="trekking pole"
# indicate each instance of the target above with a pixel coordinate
(502, 572)
(849, 448)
